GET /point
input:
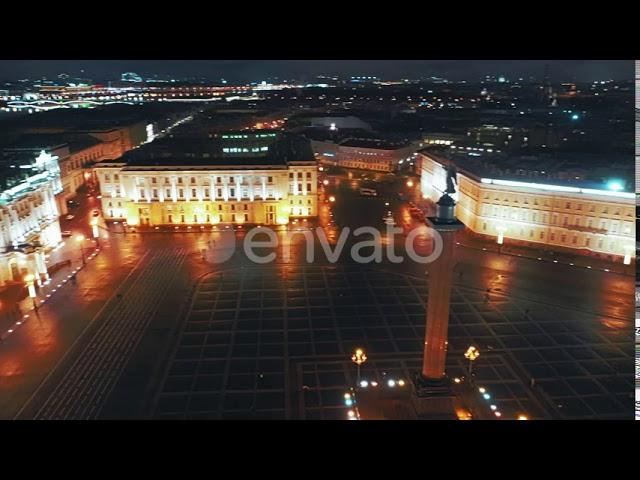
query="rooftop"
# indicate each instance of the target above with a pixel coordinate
(216, 153)
(611, 172)
(372, 143)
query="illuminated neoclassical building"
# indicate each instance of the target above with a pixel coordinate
(28, 215)
(594, 221)
(244, 177)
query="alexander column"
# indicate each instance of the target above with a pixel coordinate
(432, 390)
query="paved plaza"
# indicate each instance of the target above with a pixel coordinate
(275, 341)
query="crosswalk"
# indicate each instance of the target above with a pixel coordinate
(89, 380)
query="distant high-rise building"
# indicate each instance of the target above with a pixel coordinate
(131, 77)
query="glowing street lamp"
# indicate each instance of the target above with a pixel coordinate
(29, 279)
(409, 183)
(471, 354)
(332, 199)
(80, 239)
(358, 357)
(522, 416)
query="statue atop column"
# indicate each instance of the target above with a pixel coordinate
(452, 178)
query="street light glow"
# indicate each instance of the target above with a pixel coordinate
(615, 185)
(472, 353)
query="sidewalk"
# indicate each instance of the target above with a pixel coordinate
(548, 256)
(25, 306)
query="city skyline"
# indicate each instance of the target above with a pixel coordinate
(244, 71)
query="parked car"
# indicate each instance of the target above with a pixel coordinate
(66, 233)
(96, 213)
(69, 217)
(72, 203)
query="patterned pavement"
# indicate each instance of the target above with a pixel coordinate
(275, 343)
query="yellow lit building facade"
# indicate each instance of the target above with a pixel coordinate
(595, 222)
(208, 194)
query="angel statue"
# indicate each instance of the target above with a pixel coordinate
(452, 177)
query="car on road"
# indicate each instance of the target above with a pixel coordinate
(69, 217)
(72, 203)
(96, 213)
(368, 192)
(66, 233)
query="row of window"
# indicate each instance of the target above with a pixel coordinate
(605, 209)
(193, 180)
(576, 221)
(244, 193)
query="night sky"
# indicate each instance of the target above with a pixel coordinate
(241, 71)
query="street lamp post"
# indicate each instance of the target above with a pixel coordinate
(80, 239)
(471, 354)
(29, 279)
(358, 357)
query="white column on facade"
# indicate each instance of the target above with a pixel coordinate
(252, 187)
(225, 188)
(264, 187)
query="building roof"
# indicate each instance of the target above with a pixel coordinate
(212, 153)
(563, 169)
(373, 143)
